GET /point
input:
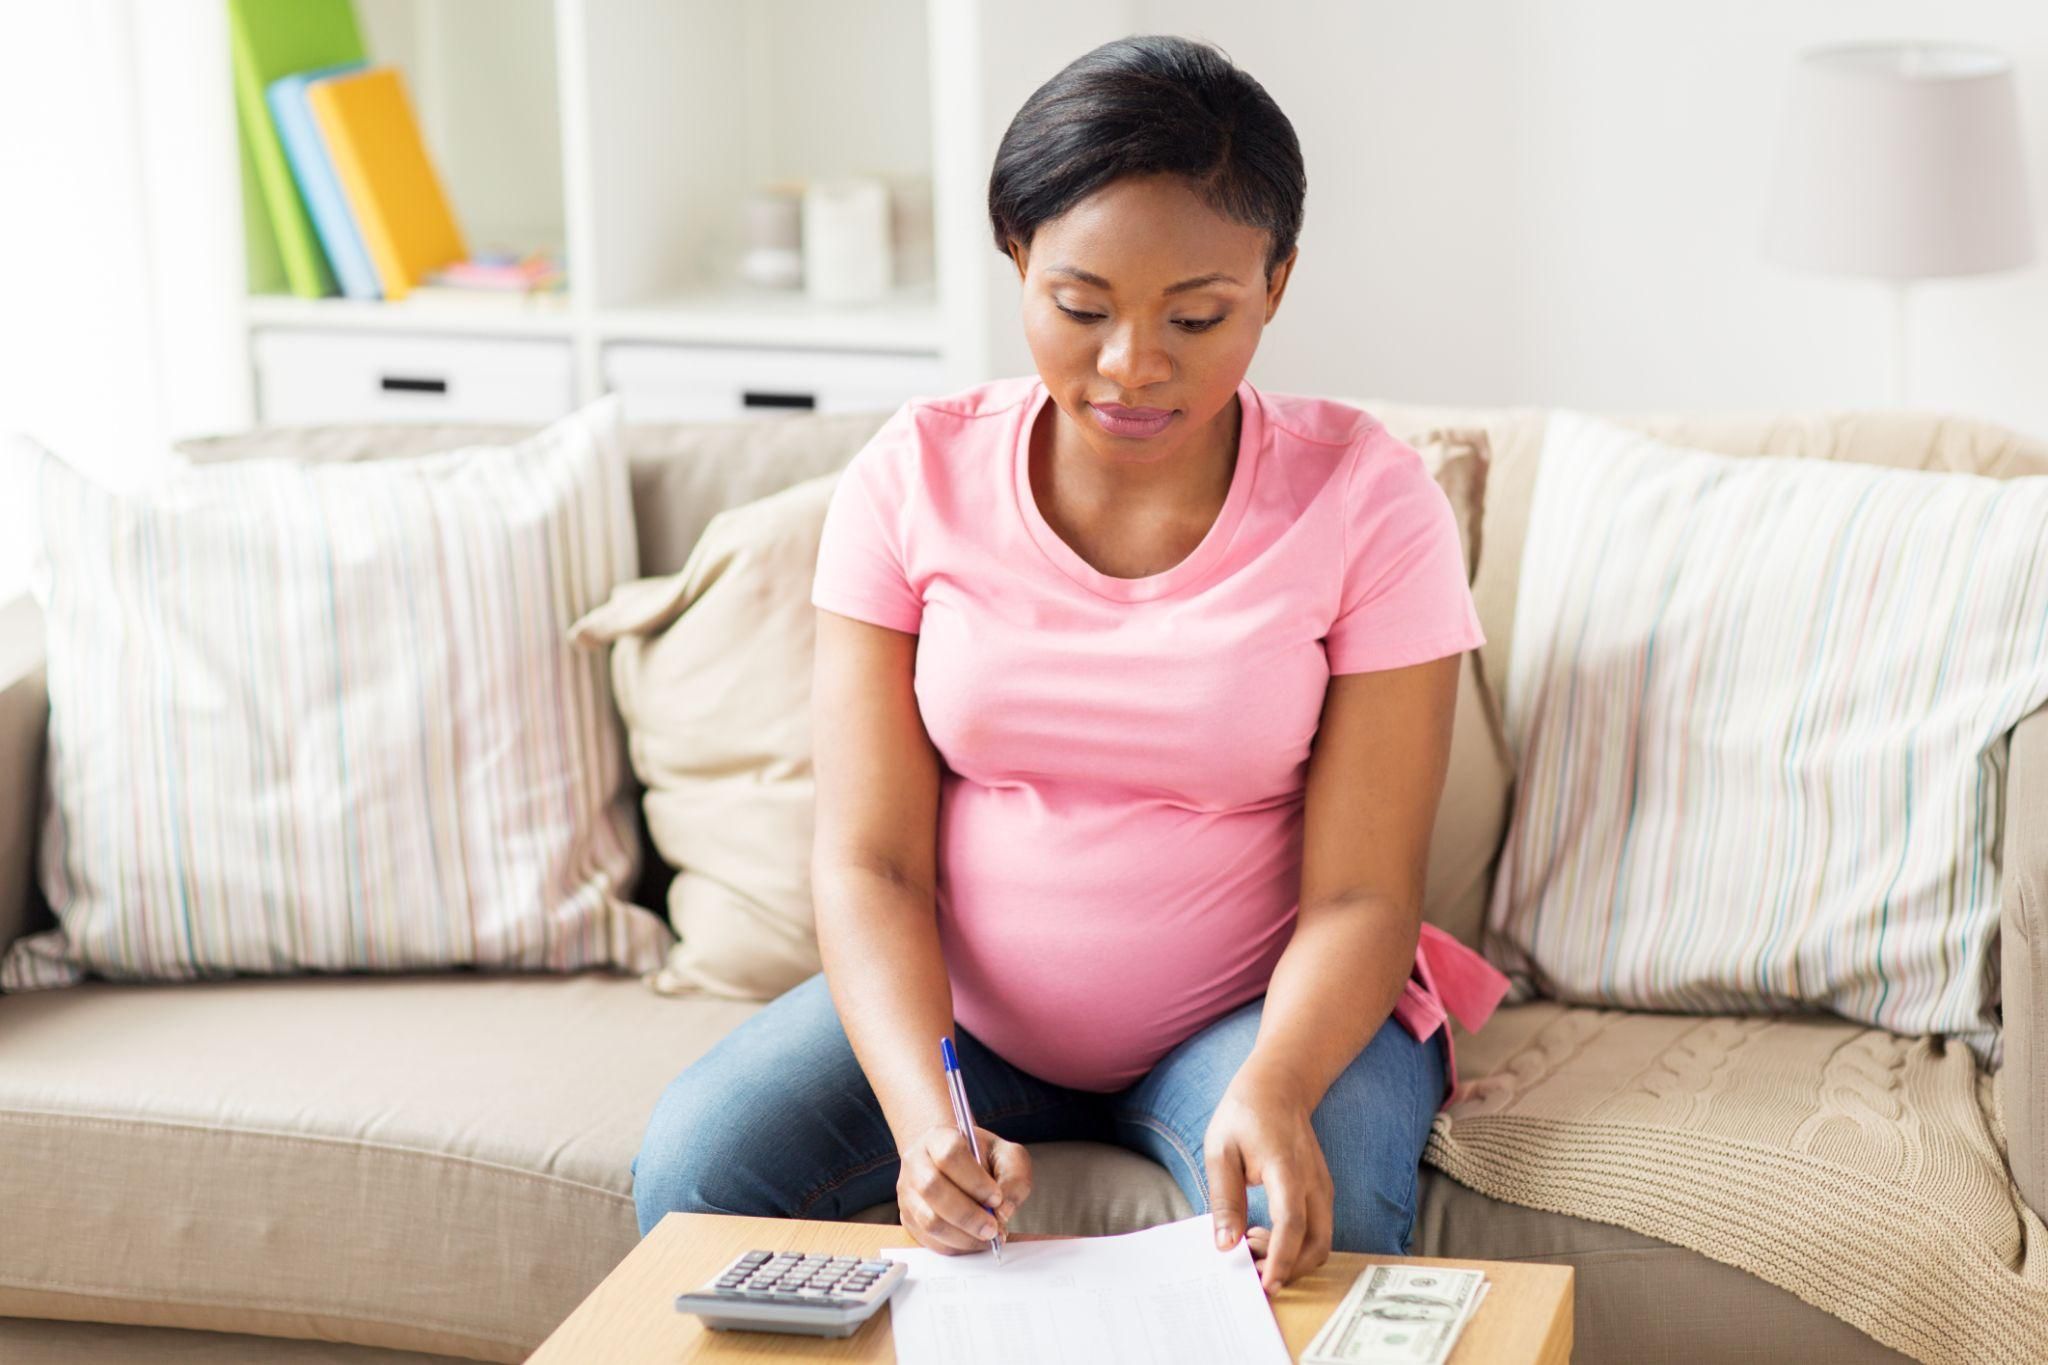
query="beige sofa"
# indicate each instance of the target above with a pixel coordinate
(429, 1167)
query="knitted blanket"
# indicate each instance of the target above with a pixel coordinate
(1862, 1171)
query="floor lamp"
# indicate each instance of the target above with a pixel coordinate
(1900, 162)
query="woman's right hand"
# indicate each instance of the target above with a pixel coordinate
(940, 1189)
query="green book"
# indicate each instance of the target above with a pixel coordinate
(270, 39)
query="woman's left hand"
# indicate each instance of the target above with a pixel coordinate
(1260, 1134)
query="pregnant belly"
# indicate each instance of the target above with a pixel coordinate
(1084, 943)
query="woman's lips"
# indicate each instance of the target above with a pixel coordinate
(1138, 422)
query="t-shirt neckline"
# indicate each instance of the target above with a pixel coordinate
(1250, 443)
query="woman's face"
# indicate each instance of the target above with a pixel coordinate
(1120, 337)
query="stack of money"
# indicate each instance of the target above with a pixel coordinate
(1410, 1314)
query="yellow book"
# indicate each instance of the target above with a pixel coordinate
(386, 175)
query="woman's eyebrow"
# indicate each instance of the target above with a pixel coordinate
(1086, 277)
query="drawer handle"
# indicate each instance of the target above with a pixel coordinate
(398, 383)
(755, 398)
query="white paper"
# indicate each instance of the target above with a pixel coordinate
(1161, 1296)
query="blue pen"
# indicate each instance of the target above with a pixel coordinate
(964, 1116)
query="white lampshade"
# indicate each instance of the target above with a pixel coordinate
(1901, 161)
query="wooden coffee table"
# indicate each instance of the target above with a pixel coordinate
(1525, 1320)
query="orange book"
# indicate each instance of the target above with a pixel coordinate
(386, 175)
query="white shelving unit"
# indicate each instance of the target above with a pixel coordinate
(627, 134)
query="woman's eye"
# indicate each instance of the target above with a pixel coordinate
(1185, 324)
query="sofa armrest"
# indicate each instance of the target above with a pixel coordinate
(2023, 968)
(24, 725)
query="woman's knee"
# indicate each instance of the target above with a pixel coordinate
(776, 1110)
(1373, 1126)
(694, 1155)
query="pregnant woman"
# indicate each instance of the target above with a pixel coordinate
(1132, 709)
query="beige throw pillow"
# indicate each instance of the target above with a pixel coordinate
(1472, 815)
(711, 669)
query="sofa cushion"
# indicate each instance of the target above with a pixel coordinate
(437, 1163)
(1759, 707)
(318, 718)
(1861, 1171)
(711, 668)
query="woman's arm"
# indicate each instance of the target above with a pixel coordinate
(1376, 774)
(873, 873)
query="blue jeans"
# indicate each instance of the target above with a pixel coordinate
(778, 1120)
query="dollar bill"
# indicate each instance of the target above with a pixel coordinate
(1410, 1315)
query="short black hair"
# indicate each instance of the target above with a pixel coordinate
(1143, 105)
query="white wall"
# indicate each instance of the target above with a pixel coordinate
(1560, 203)
(1509, 202)
(118, 318)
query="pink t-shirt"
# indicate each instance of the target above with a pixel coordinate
(1125, 759)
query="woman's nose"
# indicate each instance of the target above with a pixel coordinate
(1133, 362)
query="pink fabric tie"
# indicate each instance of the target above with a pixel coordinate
(1449, 978)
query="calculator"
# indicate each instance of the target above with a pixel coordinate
(786, 1291)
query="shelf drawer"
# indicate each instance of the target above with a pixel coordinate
(677, 383)
(314, 376)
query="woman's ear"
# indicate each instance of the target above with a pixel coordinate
(1021, 256)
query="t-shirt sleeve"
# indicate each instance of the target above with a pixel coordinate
(1404, 596)
(862, 563)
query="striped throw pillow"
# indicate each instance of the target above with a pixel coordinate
(326, 717)
(1759, 710)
